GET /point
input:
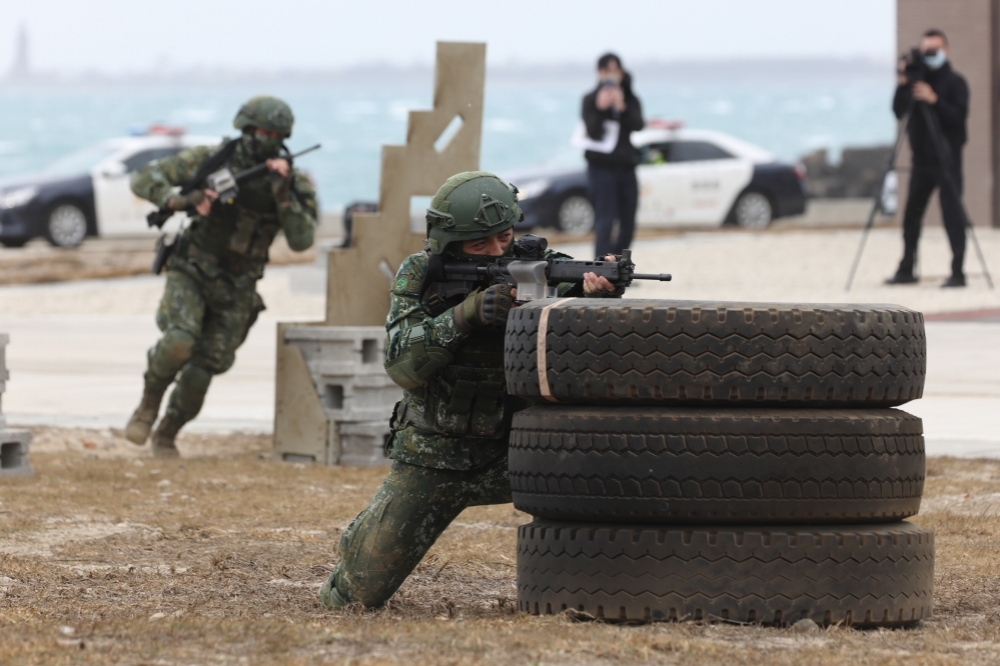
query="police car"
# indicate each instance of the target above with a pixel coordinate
(687, 177)
(87, 193)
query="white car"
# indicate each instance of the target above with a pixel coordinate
(87, 193)
(687, 177)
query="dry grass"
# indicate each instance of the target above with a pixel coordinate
(112, 557)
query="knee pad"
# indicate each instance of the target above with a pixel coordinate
(178, 344)
(168, 356)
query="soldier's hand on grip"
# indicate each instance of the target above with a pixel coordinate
(489, 307)
(186, 201)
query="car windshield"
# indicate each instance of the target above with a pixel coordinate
(82, 161)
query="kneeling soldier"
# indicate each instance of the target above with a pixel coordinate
(450, 430)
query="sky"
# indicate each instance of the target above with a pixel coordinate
(119, 36)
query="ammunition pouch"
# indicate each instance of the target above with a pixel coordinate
(461, 404)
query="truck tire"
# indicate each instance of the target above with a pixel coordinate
(660, 352)
(860, 575)
(716, 465)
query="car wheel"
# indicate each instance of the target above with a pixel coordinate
(576, 215)
(753, 211)
(13, 242)
(67, 226)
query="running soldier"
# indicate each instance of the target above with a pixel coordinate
(210, 300)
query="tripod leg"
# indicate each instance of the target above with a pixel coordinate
(876, 205)
(877, 199)
(942, 154)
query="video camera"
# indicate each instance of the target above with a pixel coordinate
(915, 69)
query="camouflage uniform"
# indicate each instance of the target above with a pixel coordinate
(210, 302)
(449, 445)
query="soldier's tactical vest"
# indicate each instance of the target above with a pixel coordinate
(239, 234)
(468, 397)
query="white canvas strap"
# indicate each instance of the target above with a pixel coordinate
(541, 346)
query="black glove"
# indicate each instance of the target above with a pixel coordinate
(489, 307)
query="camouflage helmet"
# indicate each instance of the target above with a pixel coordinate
(266, 112)
(470, 205)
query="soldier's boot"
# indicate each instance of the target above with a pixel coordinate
(139, 426)
(329, 595)
(185, 402)
(165, 434)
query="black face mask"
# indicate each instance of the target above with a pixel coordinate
(261, 148)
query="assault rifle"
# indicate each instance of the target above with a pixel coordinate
(534, 275)
(223, 182)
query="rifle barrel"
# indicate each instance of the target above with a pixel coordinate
(258, 168)
(662, 277)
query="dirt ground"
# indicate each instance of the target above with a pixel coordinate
(108, 556)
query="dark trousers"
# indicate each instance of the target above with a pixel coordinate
(615, 195)
(924, 179)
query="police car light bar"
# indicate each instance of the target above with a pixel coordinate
(165, 130)
(658, 123)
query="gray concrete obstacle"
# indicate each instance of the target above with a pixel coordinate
(363, 444)
(14, 452)
(350, 392)
(13, 443)
(345, 365)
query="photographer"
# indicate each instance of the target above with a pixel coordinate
(931, 82)
(614, 190)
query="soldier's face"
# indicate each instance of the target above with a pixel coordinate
(491, 246)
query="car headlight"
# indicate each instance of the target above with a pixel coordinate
(18, 197)
(531, 189)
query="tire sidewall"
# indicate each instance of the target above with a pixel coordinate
(575, 199)
(69, 208)
(745, 199)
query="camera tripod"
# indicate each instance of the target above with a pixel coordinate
(941, 152)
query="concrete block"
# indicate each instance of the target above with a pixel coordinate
(340, 350)
(345, 365)
(357, 398)
(363, 444)
(14, 453)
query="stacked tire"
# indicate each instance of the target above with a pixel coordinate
(719, 461)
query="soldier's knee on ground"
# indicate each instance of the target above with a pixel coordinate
(188, 395)
(330, 596)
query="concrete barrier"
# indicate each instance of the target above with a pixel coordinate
(345, 365)
(14, 453)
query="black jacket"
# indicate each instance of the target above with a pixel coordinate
(951, 109)
(624, 155)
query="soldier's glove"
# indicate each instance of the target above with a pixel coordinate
(186, 201)
(489, 307)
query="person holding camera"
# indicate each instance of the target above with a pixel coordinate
(936, 140)
(609, 111)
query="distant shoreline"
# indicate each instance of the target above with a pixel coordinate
(816, 70)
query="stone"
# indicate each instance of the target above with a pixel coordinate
(805, 626)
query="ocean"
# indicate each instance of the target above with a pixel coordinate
(525, 124)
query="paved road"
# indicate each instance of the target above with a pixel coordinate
(77, 350)
(86, 371)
